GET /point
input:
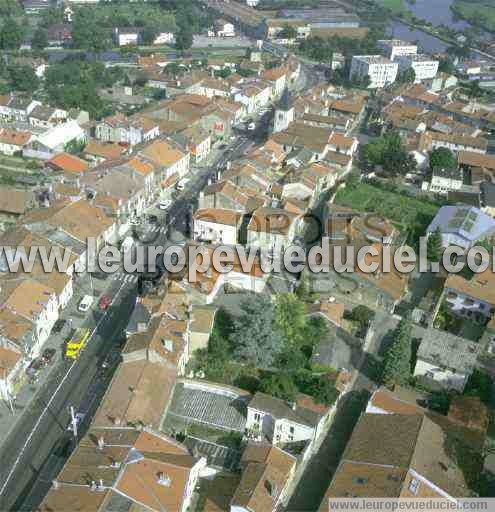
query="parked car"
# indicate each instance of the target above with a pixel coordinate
(86, 303)
(59, 325)
(35, 366)
(105, 302)
(79, 419)
(164, 204)
(48, 355)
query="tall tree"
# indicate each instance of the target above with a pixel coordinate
(11, 34)
(184, 37)
(397, 360)
(40, 39)
(255, 337)
(434, 245)
(22, 78)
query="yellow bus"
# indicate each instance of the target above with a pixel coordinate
(77, 343)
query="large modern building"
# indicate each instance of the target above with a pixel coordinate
(382, 71)
(424, 66)
(393, 48)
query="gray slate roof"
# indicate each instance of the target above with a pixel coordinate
(445, 349)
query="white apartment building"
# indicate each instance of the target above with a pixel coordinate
(424, 66)
(252, 3)
(395, 47)
(382, 71)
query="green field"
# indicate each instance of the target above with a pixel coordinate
(407, 213)
(395, 6)
(481, 12)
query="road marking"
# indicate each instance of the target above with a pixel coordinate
(37, 424)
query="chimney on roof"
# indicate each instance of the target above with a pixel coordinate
(117, 421)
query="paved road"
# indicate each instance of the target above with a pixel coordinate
(26, 456)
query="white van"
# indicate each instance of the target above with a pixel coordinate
(86, 303)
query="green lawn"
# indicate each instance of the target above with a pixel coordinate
(407, 213)
(480, 12)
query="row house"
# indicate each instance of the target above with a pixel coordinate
(16, 107)
(13, 141)
(227, 195)
(458, 143)
(254, 95)
(267, 473)
(397, 455)
(272, 230)
(471, 298)
(134, 467)
(46, 117)
(277, 77)
(132, 131)
(196, 140)
(217, 225)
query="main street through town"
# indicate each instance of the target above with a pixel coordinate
(33, 452)
(36, 449)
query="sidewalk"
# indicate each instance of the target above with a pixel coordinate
(29, 392)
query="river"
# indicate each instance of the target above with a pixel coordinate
(437, 12)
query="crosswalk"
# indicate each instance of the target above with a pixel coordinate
(126, 278)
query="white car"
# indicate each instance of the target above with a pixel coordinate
(251, 126)
(165, 204)
(86, 303)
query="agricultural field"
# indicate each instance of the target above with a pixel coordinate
(478, 12)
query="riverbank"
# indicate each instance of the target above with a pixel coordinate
(478, 13)
(437, 34)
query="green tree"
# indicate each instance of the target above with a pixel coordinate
(290, 317)
(184, 38)
(397, 360)
(88, 34)
(324, 391)
(40, 39)
(11, 34)
(434, 245)
(446, 66)
(255, 337)
(363, 315)
(407, 76)
(22, 78)
(442, 158)
(280, 385)
(149, 34)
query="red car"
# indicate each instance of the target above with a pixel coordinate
(105, 301)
